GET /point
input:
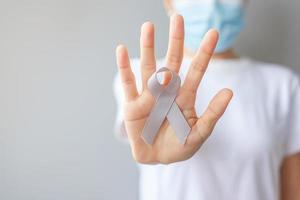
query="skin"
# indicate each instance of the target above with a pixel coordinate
(137, 106)
(290, 169)
(290, 178)
(166, 148)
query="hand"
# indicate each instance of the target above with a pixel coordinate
(166, 148)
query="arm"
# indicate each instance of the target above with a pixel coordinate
(290, 178)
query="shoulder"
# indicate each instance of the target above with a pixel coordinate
(276, 83)
(275, 75)
(275, 70)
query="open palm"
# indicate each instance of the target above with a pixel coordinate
(166, 148)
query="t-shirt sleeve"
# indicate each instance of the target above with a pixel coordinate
(292, 141)
(119, 127)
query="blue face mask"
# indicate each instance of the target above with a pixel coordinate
(200, 16)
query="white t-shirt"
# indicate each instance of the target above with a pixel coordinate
(241, 159)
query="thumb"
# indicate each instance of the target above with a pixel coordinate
(206, 123)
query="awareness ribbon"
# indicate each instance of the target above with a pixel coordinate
(165, 107)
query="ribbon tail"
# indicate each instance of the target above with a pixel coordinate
(157, 117)
(178, 123)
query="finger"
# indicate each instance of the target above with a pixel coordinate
(176, 42)
(206, 123)
(200, 61)
(126, 74)
(148, 63)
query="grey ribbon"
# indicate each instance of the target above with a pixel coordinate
(165, 107)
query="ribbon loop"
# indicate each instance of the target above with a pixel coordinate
(165, 107)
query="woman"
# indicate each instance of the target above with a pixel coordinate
(254, 150)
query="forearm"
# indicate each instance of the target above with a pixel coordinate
(290, 178)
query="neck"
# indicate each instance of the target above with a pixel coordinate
(228, 54)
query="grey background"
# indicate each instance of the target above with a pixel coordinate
(56, 104)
